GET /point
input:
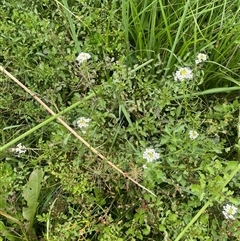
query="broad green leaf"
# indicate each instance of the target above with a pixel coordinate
(31, 193)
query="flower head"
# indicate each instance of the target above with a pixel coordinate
(193, 135)
(82, 123)
(183, 74)
(20, 149)
(150, 155)
(201, 58)
(229, 211)
(83, 57)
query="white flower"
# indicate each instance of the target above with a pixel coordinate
(183, 73)
(83, 57)
(201, 58)
(150, 155)
(229, 211)
(82, 123)
(193, 135)
(20, 149)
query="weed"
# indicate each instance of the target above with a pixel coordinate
(143, 142)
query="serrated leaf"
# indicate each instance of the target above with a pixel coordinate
(31, 193)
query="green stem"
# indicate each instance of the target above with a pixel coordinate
(202, 210)
(208, 92)
(141, 66)
(43, 123)
(193, 220)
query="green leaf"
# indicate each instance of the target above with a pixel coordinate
(31, 193)
(161, 227)
(172, 217)
(5, 232)
(146, 230)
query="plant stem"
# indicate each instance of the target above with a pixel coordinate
(27, 133)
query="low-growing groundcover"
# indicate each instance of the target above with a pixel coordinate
(153, 87)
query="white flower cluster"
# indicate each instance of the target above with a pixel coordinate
(183, 73)
(201, 58)
(83, 123)
(229, 211)
(193, 135)
(20, 149)
(150, 155)
(83, 57)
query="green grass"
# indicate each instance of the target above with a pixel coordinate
(96, 185)
(180, 29)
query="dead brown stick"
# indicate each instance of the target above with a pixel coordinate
(72, 131)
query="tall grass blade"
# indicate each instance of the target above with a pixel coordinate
(72, 26)
(180, 28)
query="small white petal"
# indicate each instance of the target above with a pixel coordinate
(183, 73)
(150, 155)
(229, 211)
(83, 57)
(20, 149)
(201, 58)
(193, 135)
(82, 123)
